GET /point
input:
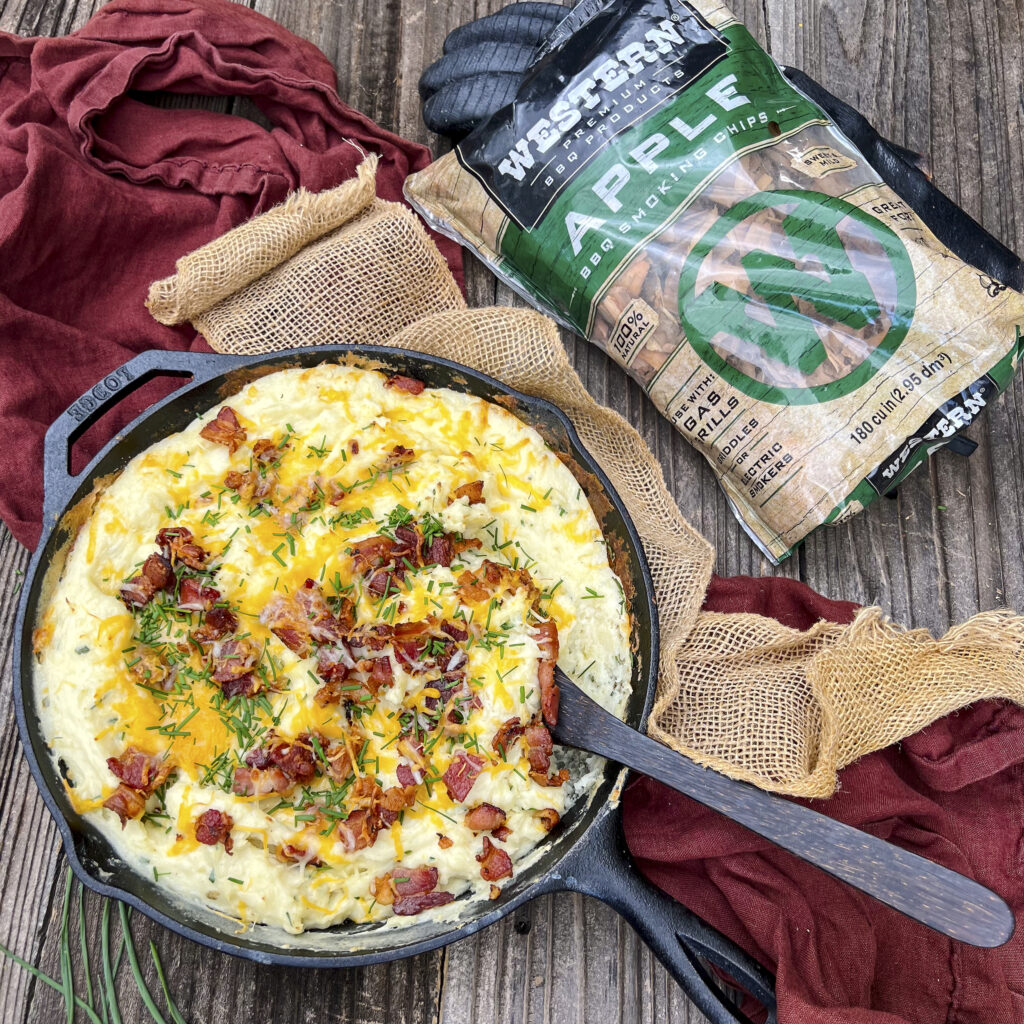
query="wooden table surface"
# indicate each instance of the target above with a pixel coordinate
(944, 77)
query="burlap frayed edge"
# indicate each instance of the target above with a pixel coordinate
(837, 692)
(242, 255)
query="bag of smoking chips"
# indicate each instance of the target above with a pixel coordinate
(659, 187)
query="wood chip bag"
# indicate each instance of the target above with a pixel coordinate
(659, 187)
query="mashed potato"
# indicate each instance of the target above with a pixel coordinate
(298, 664)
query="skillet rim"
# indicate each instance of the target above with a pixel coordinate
(551, 878)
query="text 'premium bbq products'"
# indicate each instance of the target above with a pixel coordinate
(659, 187)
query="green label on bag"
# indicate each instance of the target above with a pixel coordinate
(684, 135)
(762, 320)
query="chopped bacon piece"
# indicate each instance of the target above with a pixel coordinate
(440, 551)
(176, 545)
(548, 818)
(495, 863)
(300, 618)
(406, 906)
(383, 890)
(158, 571)
(233, 662)
(260, 781)
(473, 492)
(353, 446)
(457, 633)
(126, 803)
(225, 429)
(296, 761)
(140, 771)
(444, 842)
(484, 817)
(506, 735)
(467, 544)
(213, 827)
(241, 686)
(137, 591)
(414, 881)
(550, 780)
(300, 855)
(385, 582)
(265, 452)
(502, 832)
(495, 892)
(150, 669)
(380, 675)
(406, 776)
(546, 636)
(359, 830)
(323, 625)
(371, 553)
(461, 774)
(399, 456)
(471, 589)
(218, 623)
(408, 384)
(539, 746)
(194, 597)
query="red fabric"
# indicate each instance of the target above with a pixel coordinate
(953, 793)
(100, 192)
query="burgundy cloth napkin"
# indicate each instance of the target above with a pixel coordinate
(100, 192)
(953, 792)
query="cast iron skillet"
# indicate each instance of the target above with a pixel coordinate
(586, 853)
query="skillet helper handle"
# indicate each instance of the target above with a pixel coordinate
(104, 395)
(676, 936)
(942, 899)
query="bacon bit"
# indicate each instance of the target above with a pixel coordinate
(548, 818)
(492, 578)
(359, 830)
(380, 675)
(495, 864)
(225, 429)
(484, 817)
(406, 776)
(158, 571)
(408, 384)
(143, 772)
(506, 735)
(150, 669)
(260, 781)
(126, 803)
(546, 636)
(444, 842)
(296, 761)
(502, 832)
(461, 774)
(218, 623)
(300, 855)
(300, 618)
(241, 686)
(137, 591)
(457, 633)
(353, 446)
(495, 892)
(467, 544)
(550, 780)
(383, 890)
(539, 746)
(440, 551)
(213, 827)
(399, 456)
(194, 597)
(176, 545)
(233, 662)
(415, 881)
(266, 452)
(371, 553)
(473, 492)
(323, 625)
(397, 798)
(406, 906)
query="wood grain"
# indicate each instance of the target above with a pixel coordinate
(941, 76)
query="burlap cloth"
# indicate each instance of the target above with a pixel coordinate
(741, 693)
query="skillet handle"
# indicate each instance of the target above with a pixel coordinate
(60, 482)
(674, 934)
